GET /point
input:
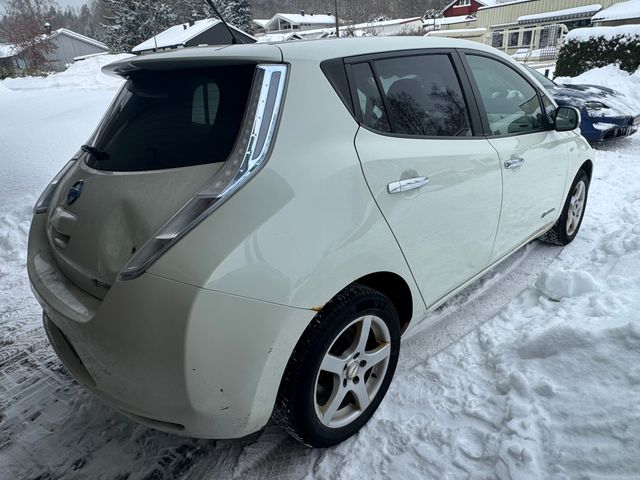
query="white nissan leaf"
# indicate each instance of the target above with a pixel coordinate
(251, 229)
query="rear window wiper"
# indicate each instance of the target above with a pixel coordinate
(98, 154)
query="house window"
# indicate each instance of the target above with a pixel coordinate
(463, 3)
(526, 38)
(514, 37)
(497, 39)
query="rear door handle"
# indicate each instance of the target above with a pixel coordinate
(408, 184)
(514, 163)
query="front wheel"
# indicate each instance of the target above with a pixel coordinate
(340, 369)
(567, 226)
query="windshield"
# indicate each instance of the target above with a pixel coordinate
(546, 83)
(169, 119)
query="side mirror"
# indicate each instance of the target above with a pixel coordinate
(567, 118)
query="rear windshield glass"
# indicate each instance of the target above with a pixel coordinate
(172, 119)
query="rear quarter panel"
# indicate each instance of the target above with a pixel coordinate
(306, 226)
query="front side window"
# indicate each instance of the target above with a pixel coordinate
(174, 119)
(423, 96)
(510, 102)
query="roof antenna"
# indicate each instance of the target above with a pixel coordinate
(234, 39)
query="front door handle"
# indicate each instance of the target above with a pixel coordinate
(408, 184)
(514, 163)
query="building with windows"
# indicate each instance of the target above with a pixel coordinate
(259, 25)
(531, 29)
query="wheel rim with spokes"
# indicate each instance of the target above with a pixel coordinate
(576, 207)
(352, 371)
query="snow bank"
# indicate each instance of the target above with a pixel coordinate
(85, 74)
(557, 284)
(627, 32)
(4, 90)
(612, 77)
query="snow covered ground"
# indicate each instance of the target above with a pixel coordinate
(534, 372)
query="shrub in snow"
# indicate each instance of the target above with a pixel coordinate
(587, 48)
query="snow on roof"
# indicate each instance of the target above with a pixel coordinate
(585, 34)
(450, 20)
(384, 23)
(498, 3)
(262, 22)
(619, 11)
(7, 50)
(457, 32)
(306, 18)
(178, 35)
(585, 10)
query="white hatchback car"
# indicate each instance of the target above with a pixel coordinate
(251, 228)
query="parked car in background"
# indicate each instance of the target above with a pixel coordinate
(252, 229)
(605, 113)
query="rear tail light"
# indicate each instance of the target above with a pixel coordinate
(249, 155)
(42, 205)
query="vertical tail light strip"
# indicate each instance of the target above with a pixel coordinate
(248, 157)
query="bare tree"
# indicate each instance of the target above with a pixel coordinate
(24, 28)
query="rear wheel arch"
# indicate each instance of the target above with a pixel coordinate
(396, 289)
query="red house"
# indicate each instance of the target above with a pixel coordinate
(465, 7)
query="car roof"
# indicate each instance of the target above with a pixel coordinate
(301, 50)
(328, 48)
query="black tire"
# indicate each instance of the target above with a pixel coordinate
(559, 234)
(297, 403)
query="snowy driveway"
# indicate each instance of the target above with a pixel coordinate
(532, 373)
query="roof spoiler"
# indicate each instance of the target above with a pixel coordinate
(195, 57)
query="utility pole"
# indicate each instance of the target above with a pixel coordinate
(337, 24)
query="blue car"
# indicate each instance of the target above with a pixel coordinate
(605, 113)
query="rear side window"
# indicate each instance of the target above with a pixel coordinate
(173, 119)
(511, 103)
(369, 100)
(422, 96)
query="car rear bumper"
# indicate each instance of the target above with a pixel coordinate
(169, 355)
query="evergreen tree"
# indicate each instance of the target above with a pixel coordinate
(130, 22)
(235, 12)
(238, 13)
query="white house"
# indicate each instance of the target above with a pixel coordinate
(284, 22)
